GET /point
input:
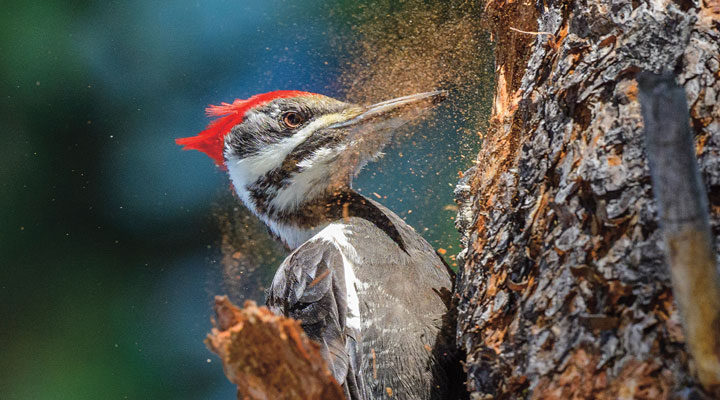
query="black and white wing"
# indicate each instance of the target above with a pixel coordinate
(310, 286)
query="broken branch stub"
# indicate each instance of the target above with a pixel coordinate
(269, 356)
(684, 219)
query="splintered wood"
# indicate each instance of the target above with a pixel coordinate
(268, 356)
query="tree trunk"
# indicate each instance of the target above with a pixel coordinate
(564, 291)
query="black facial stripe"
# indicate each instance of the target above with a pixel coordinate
(260, 198)
(264, 125)
(264, 189)
(243, 145)
(310, 145)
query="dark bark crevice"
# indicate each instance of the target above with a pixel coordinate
(563, 288)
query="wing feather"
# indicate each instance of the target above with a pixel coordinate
(310, 286)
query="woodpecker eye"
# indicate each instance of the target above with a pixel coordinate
(293, 119)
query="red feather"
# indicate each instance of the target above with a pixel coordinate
(211, 140)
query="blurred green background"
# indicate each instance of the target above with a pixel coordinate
(108, 248)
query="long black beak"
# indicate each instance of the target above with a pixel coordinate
(367, 130)
(395, 112)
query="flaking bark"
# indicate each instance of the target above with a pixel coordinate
(564, 291)
(269, 357)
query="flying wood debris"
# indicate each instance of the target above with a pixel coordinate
(415, 46)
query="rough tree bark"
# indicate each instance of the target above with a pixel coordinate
(564, 292)
(684, 221)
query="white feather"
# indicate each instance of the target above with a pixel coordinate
(292, 236)
(336, 234)
(311, 182)
(247, 170)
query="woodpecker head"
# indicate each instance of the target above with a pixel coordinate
(286, 150)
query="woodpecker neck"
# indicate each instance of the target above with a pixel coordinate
(293, 223)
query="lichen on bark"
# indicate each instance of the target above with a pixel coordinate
(564, 291)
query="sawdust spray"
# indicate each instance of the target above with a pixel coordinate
(390, 48)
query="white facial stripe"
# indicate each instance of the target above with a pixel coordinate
(272, 156)
(310, 182)
(245, 171)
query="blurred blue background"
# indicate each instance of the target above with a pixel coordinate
(108, 246)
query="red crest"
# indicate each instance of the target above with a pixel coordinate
(211, 140)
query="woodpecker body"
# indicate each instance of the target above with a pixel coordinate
(365, 285)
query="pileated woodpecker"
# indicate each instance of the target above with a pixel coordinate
(365, 286)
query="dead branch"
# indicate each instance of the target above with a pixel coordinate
(684, 218)
(267, 356)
